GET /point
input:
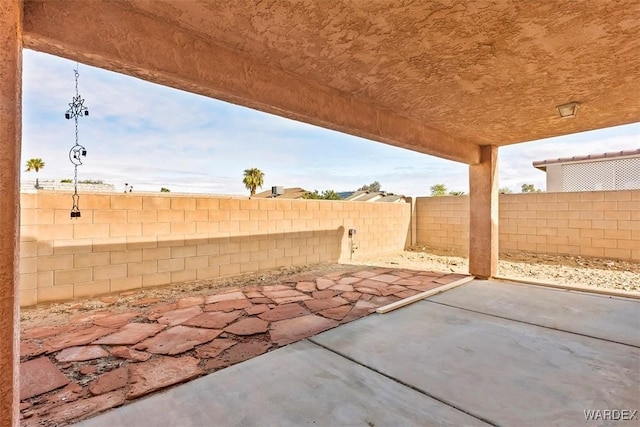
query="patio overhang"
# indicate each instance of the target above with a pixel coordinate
(452, 80)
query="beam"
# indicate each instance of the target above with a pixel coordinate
(10, 138)
(114, 36)
(483, 214)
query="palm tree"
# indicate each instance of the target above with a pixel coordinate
(35, 165)
(253, 178)
(438, 190)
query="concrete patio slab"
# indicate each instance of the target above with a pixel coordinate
(581, 313)
(302, 384)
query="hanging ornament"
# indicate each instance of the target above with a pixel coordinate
(77, 152)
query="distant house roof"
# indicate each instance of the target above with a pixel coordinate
(289, 193)
(375, 196)
(542, 164)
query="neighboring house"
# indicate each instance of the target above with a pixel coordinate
(28, 186)
(286, 193)
(375, 196)
(618, 170)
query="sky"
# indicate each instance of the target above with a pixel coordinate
(152, 136)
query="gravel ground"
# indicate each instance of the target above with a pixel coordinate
(564, 270)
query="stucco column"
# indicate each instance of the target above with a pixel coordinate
(483, 214)
(10, 135)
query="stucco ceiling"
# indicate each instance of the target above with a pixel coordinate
(476, 72)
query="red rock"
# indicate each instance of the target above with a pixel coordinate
(260, 301)
(214, 348)
(335, 274)
(115, 321)
(45, 331)
(322, 304)
(272, 288)
(257, 309)
(90, 316)
(342, 288)
(159, 309)
(31, 349)
(70, 393)
(327, 293)
(88, 369)
(449, 278)
(109, 300)
(75, 338)
(391, 290)
(285, 296)
(229, 305)
(39, 376)
(282, 312)
(213, 320)
(248, 326)
(432, 274)
(229, 296)
(25, 405)
(365, 274)
(407, 282)
(351, 296)
(291, 330)
(385, 278)
(405, 274)
(145, 301)
(190, 302)
(406, 293)
(370, 291)
(131, 333)
(323, 284)
(80, 354)
(177, 340)
(336, 313)
(254, 294)
(362, 308)
(110, 381)
(128, 353)
(180, 315)
(349, 280)
(306, 286)
(365, 297)
(425, 286)
(63, 414)
(161, 372)
(367, 283)
(381, 301)
(237, 353)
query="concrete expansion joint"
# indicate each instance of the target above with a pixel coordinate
(405, 384)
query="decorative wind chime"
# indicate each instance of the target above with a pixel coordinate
(77, 152)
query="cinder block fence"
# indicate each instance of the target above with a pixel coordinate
(131, 241)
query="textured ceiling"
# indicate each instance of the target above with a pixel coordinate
(478, 71)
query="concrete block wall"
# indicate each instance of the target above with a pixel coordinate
(131, 241)
(603, 224)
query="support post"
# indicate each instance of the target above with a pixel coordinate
(10, 140)
(483, 214)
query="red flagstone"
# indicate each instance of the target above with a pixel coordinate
(349, 280)
(253, 294)
(109, 300)
(425, 286)
(159, 373)
(306, 286)
(213, 320)
(365, 297)
(80, 354)
(75, 338)
(116, 320)
(323, 283)
(327, 293)
(250, 326)
(362, 308)
(89, 369)
(214, 348)
(449, 279)
(351, 296)
(407, 293)
(131, 333)
(260, 301)
(237, 353)
(86, 317)
(282, 293)
(175, 317)
(336, 313)
(230, 296)
(365, 274)
(335, 274)
(366, 290)
(177, 340)
(380, 301)
(159, 309)
(228, 305)
(285, 311)
(39, 376)
(408, 282)
(404, 274)
(145, 301)
(322, 304)
(390, 290)
(190, 302)
(31, 349)
(271, 288)
(291, 330)
(130, 354)
(43, 332)
(256, 309)
(83, 408)
(342, 288)
(110, 381)
(73, 391)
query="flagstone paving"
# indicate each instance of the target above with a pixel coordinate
(103, 359)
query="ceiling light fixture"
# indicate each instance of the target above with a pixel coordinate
(568, 111)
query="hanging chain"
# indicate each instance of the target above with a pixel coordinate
(76, 110)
